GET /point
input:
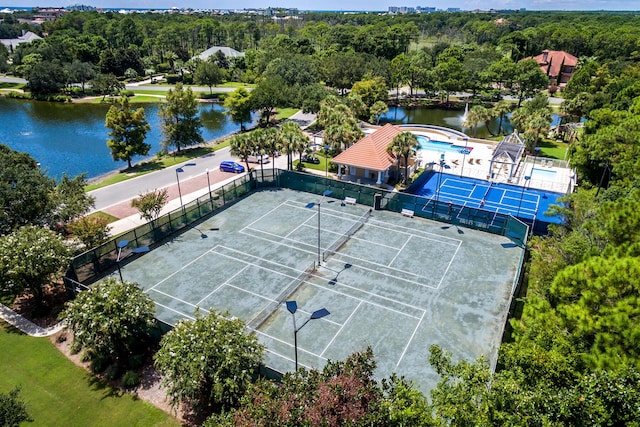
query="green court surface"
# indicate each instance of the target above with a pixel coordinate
(398, 284)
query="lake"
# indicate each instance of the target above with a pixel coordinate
(72, 138)
(440, 117)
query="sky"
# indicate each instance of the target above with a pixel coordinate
(346, 5)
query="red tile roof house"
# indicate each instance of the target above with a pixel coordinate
(368, 159)
(558, 65)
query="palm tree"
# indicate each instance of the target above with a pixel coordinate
(534, 126)
(242, 146)
(291, 139)
(500, 110)
(404, 145)
(472, 119)
(267, 140)
(484, 115)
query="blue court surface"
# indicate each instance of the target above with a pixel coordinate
(524, 203)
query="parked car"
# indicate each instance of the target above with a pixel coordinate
(229, 166)
(310, 159)
(257, 158)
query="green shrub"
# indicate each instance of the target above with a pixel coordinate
(136, 361)
(187, 79)
(127, 93)
(163, 67)
(98, 362)
(18, 95)
(173, 78)
(131, 379)
(112, 372)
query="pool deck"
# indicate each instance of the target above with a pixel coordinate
(552, 176)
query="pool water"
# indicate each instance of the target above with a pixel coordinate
(543, 174)
(439, 146)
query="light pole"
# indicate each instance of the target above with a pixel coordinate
(464, 155)
(292, 306)
(178, 170)
(526, 179)
(310, 205)
(121, 245)
(208, 183)
(326, 161)
(441, 164)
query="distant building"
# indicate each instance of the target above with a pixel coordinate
(453, 9)
(408, 9)
(49, 14)
(558, 65)
(27, 37)
(228, 52)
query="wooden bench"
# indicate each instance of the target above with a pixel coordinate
(350, 200)
(407, 212)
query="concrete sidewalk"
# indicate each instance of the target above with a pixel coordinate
(190, 189)
(27, 326)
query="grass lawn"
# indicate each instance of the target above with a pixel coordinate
(553, 149)
(59, 393)
(9, 85)
(285, 113)
(319, 167)
(109, 218)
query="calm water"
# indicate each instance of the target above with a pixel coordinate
(72, 139)
(447, 118)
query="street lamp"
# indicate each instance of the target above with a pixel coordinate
(310, 205)
(442, 164)
(208, 183)
(526, 179)
(121, 245)
(326, 161)
(464, 154)
(292, 306)
(178, 170)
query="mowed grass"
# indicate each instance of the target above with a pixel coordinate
(59, 393)
(553, 149)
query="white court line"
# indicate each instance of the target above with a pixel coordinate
(290, 345)
(342, 255)
(329, 289)
(289, 359)
(173, 297)
(338, 213)
(399, 252)
(267, 213)
(176, 311)
(356, 238)
(211, 293)
(184, 267)
(415, 330)
(286, 236)
(340, 330)
(446, 270)
(297, 248)
(411, 231)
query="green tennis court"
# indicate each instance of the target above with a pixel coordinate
(396, 283)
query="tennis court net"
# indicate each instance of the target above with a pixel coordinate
(284, 295)
(342, 240)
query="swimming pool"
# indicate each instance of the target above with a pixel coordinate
(543, 174)
(425, 143)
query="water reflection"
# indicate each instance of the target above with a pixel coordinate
(72, 138)
(441, 117)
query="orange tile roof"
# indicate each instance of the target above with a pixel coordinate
(371, 151)
(557, 58)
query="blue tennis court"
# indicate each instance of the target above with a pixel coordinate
(521, 202)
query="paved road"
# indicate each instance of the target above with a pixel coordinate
(127, 190)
